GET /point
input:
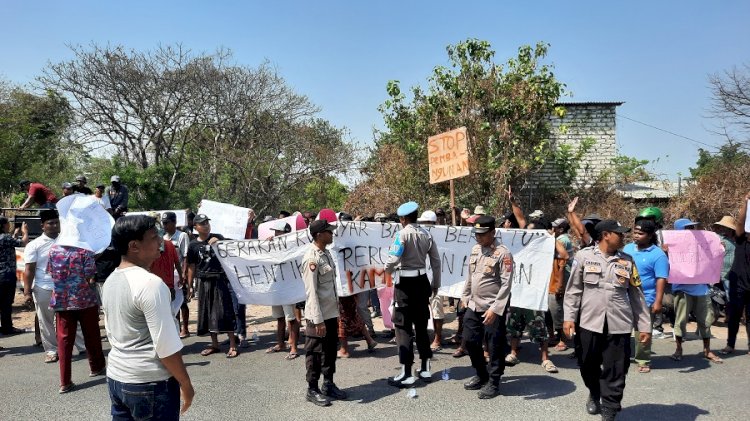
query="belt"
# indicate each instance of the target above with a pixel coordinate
(412, 272)
(209, 275)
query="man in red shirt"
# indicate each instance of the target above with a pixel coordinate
(39, 194)
(166, 264)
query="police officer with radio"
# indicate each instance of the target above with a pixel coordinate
(604, 290)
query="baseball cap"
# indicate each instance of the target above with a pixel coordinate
(67, 186)
(169, 216)
(379, 215)
(282, 226)
(559, 222)
(47, 214)
(610, 225)
(646, 225)
(201, 217)
(427, 216)
(479, 210)
(483, 224)
(81, 178)
(683, 223)
(316, 227)
(115, 178)
(536, 214)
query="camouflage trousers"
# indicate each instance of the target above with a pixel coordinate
(523, 319)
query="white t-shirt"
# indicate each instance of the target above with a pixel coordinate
(180, 241)
(104, 201)
(139, 324)
(37, 251)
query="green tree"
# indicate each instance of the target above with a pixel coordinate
(730, 154)
(628, 169)
(505, 107)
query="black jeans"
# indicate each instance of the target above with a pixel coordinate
(475, 333)
(7, 293)
(320, 352)
(604, 359)
(739, 301)
(410, 317)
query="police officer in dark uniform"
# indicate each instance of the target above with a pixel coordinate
(604, 290)
(485, 296)
(412, 293)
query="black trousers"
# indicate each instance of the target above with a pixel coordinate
(604, 359)
(320, 352)
(410, 317)
(475, 333)
(739, 302)
(7, 294)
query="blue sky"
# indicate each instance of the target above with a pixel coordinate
(654, 56)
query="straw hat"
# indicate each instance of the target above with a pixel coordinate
(727, 222)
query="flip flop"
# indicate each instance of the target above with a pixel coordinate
(371, 347)
(51, 358)
(184, 335)
(436, 349)
(512, 359)
(560, 347)
(459, 353)
(210, 350)
(275, 348)
(232, 353)
(291, 356)
(340, 355)
(67, 388)
(713, 359)
(676, 356)
(644, 369)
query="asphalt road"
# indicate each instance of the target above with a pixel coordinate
(260, 386)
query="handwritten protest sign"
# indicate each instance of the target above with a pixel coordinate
(296, 221)
(84, 223)
(448, 155)
(695, 257)
(227, 220)
(180, 213)
(268, 272)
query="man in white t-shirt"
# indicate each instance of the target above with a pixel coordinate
(38, 285)
(145, 371)
(102, 198)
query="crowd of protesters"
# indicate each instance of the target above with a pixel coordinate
(153, 268)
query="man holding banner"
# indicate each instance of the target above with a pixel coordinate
(486, 295)
(412, 293)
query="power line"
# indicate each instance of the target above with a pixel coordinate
(667, 131)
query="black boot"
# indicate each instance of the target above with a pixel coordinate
(332, 391)
(608, 414)
(314, 396)
(475, 383)
(489, 391)
(593, 406)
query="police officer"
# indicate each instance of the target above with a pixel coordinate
(486, 294)
(412, 293)
(321, 315)
(604, 290)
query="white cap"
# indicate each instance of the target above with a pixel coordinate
(479, 210)
(427, 216)
(281, 225)
(115, 178)
(536, 214)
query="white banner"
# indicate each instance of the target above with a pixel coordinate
(268, 272)
(226, 219)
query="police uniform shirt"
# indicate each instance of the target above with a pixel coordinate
(319, 276)
(409, 249)
(488, 281)
(606, 288)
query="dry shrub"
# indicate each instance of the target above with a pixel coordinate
(713, 195)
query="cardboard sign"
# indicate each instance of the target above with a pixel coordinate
(448, 155)
(226, 219)
(695, 257)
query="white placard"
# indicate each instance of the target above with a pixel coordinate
(84, 223)
(226, 219)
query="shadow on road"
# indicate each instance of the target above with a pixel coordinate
(650, 411)
(536, 387)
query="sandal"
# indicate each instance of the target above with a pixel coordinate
(53, 358)
(560, 347)
(459, 353)
(644, 369)
(343, 355)
(371, 347)
(275, 348)
(291, 356)
(513, 360)
(677, 356)
(726, 350)
(184, 335)
(549, 366)
(436, 348)
(210, 350)
(67, 388)
(713, 358)
(232, 353)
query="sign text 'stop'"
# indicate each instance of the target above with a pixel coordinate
(448, 155)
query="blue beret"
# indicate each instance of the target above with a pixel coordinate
(407, 208)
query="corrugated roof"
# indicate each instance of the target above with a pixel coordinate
(649, 190)
(584, 103)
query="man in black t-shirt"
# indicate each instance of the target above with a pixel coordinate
(215, 310)
(739, 281)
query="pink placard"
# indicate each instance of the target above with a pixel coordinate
(385, 295)
(296, 221)
(695, 257)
